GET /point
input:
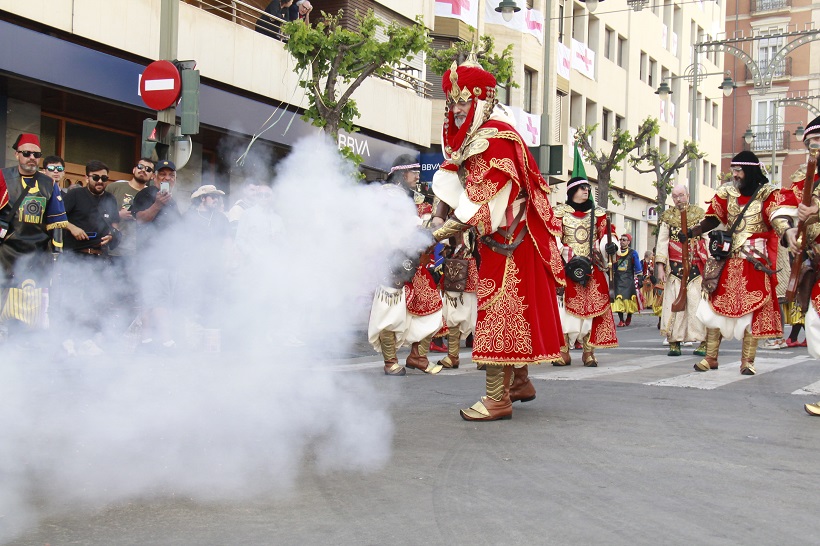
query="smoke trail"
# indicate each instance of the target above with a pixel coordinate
(87, 432)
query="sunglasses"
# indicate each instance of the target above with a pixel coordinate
(55, 168)
(97, 177)
(145, 168)
(27, 153)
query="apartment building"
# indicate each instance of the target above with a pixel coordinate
(774, 52)
(69, 71)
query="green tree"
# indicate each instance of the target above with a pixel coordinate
(664, 168)
(334, 61)
(499, 65)
(622, 145)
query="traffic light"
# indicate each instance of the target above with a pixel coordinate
(155, 141)
(189, 110)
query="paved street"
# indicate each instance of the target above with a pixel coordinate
(641, 450)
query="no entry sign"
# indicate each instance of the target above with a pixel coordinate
(160, 85)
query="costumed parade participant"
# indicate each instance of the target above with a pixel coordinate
(683, 325)
(795, 211)
(459, 282)
(32, 216)
(491, 181)
(740, 277)
(586, 315)
(627, 268)
(406, 312)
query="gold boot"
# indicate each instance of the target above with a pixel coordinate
(566, 359)
(391, 363)
(496, 404)
(418, 357)
(588, 356)
(747, 354)
(453, 342)
(710, 361)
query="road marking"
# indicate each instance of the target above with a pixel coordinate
(576, 373)
(726, 374)
(813, 389)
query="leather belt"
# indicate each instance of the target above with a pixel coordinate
(91, 251)
(507, 248)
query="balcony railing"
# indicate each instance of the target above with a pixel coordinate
(247, 14)
(770, 5)
(782, 69)
(764, 138)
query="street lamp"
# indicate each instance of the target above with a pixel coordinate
(695, 73)
(507, 8)
(592, 5)
(748, 136)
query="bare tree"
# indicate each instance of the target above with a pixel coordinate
(664, 168)
(622, 145)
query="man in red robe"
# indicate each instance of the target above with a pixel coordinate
(744, 304)
(492, 183)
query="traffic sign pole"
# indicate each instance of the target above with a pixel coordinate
(168, 42)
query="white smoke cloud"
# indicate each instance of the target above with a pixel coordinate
(87, 432)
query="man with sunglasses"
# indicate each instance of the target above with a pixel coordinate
(124, 192)
(33, 220)
(54, 166)
(92, 220)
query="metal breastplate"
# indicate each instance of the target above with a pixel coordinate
(751, 223)
(576, 233)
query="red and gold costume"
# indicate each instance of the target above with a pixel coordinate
(586, 316)
(460, 307)
(408, 313)
(745, 295)
(495, 188)
(743, 304)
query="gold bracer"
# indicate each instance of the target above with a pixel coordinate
(451, 228)
(781, 224)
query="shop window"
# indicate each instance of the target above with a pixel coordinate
(84, 143)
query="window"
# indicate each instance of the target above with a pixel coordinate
(529, 89)
(642, 67)
(652, 74)
(503, 94)
(715, 114)
(561, 22)
(707, 111)
(608, 38)
(592, 117)
(558, 118)
(621, 51)
(606, 117)
(619, 123)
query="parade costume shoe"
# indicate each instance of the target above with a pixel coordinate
(674, 348)
(496, 404)
(628, 320)
(710, 361)
(812, 409)
(588, 356)
(453, 341)
(418, 359)
(391, 363)
(701, 350)
(621, 324)
(747, 354)
(566, 359)
(522, 389)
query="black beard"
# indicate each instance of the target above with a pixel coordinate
(746, 187)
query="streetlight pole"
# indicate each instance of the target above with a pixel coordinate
(693, 74)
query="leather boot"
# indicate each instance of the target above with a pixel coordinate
(710, 361)
(522, 388)
(453, 341)
(391, 363)
(566, 359)
(496, 404)
(747, 354)
(418, 357)
(588, 356)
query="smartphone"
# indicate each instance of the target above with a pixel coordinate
(165, 187)
(91, 234)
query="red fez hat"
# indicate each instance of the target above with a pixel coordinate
(628, 236)
(26, 138)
